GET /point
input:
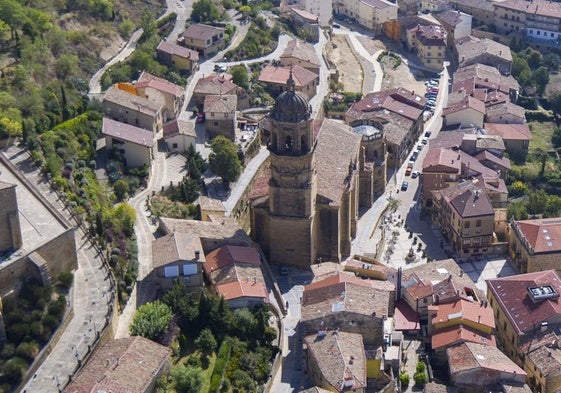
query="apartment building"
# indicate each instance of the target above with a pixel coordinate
(429, 43)
(371, 14)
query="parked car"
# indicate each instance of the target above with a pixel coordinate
(404, 186)
(415, 174)
(428, 134)
(409, 168)
(336, 26)
(414, 156)
(432, 90)
(424, 141)
(419, 147)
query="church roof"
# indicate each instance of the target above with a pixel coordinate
(337, 148)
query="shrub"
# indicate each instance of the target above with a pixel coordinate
(421, 367)
(220, 367)
(65, 279)
(27, 350)
(206, 341)
(15, 368)
(404, 379)
(420, 378)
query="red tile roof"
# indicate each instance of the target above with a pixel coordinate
(226, 103)
(244, 288)
(301, 50)
(179, 127)
(405, 317)
(126, 132)
(430, 35)
(513, 298)
(454, 334)
(543, 235)
(279, 75)
(229, 255)
(149, 80)
(442, 160)
(509, 131)
(535, 7)
(215, 84)
(400, 101)
(201, 32)
(467, 103)
(470, 356)
(465, 310)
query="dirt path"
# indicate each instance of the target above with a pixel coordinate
(350, 71)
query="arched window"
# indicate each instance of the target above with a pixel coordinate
(289, 143)
(303, 144)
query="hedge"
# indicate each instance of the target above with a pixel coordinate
(539, 115)
(220, 366)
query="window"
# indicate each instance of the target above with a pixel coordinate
(171, 271)
(466, 225)
(531, 31)
(478, 223)
(225, 114)
(174, 145)
(216, 124)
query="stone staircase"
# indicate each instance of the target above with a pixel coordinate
(42, 266)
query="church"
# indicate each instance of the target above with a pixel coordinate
(305, 207)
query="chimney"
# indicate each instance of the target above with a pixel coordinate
(479, 319)
(197, 254)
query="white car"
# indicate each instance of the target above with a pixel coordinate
(415, 174)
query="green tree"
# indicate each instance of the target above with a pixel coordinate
(552, 60)
(519, 188)
(555, 105)
(541, 78)
(123, 217)
(183, 304)
(520, 69)
(239, 76)
(553, 206)
(206, 341)
(534, 58)
(151, 320)
(15, 368)
(223, 160)
(537, 202)
(204, 11)
(187, 379)
(121, 189)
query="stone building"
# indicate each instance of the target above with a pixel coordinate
(10, 231)
(307, 207)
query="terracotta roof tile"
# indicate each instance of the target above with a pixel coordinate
(509, 131)
(467, 102)
(430, 35)
(279, 75)
(215, 84)
(221, 103)
(515, 301)
(486, 74)
(126, 365)
(442, 160)
(535, 7)
(470, 356)
(466, 310)
(340, 358)
(179, 127)
(507, 108)
(542, 235)
(126, 132)
(451, 18)
(454, 334)
(467, 200)
(201, 32)
(131, 101)
(149, 80)
(473, 47)
(405, 317)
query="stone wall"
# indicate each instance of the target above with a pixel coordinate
(10, 232)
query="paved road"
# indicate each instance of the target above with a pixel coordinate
(91, 295)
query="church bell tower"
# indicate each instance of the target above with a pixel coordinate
(293, 184)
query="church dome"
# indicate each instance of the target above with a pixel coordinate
(291, 106)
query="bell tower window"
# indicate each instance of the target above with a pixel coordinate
(289, 143)
(303, 144)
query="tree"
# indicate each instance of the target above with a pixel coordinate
(123, 217)
(555, 104)
(519, 188)
(540, 78)
(206, 341)
(239, 76)
(204, 11)
(537, 202)
(151, 320)
(223, 160)
(187, 380)
(553, 206)
(121, 189)
(393, 204)
(552, 60)
(183, 304)
(520, 69)
(15, 368)
(534, 58)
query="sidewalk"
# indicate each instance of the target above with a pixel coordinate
(92, 296)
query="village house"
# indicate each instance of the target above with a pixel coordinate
(275, 78)
(178, 57)
(235, 273)
(204, 39)
(482, 11)
(336, 360)
(488, 77)
(178, 256)
(522, 305)
(135, 144)
(444, 279)
(302, 54)
(220, 114)
(323, 9)
(456, 23)
(219, 84)
(535, 245)
(466, 217)
(429, 43)
(398, 113)
(477, 368)
(161, 92)
(347, 303)
(125, 365)
(430, 6)
(516, 137)
(179, 135)
(129, 108)
(306, 23)
(471, 50)
(541, 353)
(470, 111)
(505, 113)
(489, 93)
(441, 169)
